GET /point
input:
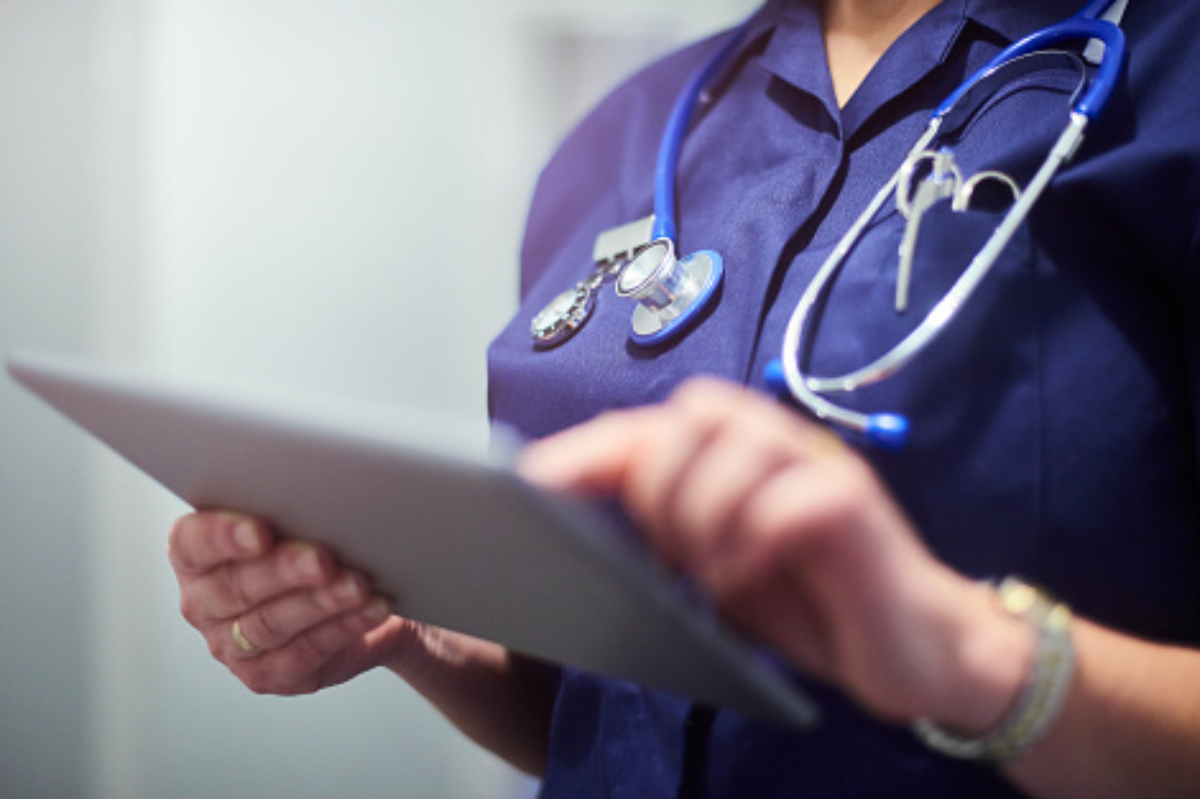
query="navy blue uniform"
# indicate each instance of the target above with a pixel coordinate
(1053, 424)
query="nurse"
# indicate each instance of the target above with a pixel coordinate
(1053, 434)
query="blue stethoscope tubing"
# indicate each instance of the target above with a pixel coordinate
(701, 271)
(1084, 25)
(666, 167)
(891, 430)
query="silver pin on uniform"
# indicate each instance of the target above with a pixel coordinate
(564, 315)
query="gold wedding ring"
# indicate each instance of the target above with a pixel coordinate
(241, 640)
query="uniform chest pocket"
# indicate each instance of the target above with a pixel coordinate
(861, 320)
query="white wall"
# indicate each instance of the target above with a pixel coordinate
(43, 672)
(321, 194)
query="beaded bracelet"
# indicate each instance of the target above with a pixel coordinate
(1045, 689)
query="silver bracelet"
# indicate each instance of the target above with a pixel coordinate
(1045, 689)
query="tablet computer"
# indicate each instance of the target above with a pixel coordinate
(455, 536)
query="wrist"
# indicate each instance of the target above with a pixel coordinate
(987, 665)
(1040, 691)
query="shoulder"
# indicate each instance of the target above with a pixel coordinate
(1146, 145)
(1163, 55)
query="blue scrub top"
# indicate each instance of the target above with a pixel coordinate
(1054, 424)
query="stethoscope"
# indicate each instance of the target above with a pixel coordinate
(672, 292)
(942, 181)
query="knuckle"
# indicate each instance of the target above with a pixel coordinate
(692, 399)
(711, 408)
(352, 625)
(190, 608)
(232, 586)
(699, 388)
(850, 481)
(612, 418)
(215, 648)
(704, 396)
(268, 626)
(258, 679)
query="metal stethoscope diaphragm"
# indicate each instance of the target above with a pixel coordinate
(670, 291)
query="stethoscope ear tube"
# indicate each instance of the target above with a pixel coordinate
(1078, 28)
(666, 166)
(887, 431)
(891, 430)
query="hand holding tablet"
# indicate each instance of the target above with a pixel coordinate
(458, 539)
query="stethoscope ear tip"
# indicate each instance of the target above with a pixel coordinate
(774, 378)
(887, 430)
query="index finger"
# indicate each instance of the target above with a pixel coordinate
(202, 541)
(590, 459)
(597, 456)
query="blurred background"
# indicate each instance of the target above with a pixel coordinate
(325, 195)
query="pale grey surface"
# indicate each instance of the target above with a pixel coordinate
(254, 187)
(43, 293)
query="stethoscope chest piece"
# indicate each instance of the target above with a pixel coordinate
(670, 292)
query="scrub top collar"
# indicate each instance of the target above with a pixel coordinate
(795, 55)
(793, 50)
